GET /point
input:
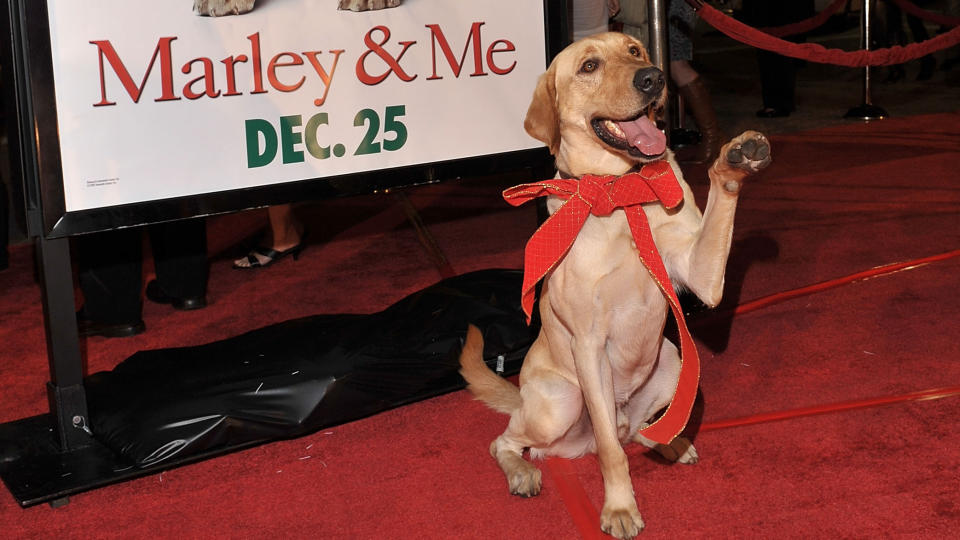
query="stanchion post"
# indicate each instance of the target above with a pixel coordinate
(657, 20)
(866, 111)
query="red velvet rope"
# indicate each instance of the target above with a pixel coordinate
(805, 25)
(818, 53)
(944, 20)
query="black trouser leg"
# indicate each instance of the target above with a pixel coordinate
(110, 267)
(4, 226)
(180, 257)
(778, 78)
(778, 73)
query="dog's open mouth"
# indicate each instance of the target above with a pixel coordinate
(639, 136)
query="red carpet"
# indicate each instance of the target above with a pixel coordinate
(846, 458)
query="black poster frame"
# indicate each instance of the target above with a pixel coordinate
(37, 145)
(49, 457)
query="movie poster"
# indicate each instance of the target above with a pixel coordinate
(155, 102)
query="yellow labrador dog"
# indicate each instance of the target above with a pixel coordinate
(218, 8)
(601, 368)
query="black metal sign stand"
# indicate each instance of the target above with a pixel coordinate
(48, 457)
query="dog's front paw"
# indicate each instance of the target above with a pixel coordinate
(624, 523)
(744, 155)
(750, 152)
(217, 8)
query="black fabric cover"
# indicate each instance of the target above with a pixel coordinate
(296, 377)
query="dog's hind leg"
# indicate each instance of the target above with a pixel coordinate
(551, 405)
(654, 396)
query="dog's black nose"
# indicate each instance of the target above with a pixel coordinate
(649, 80)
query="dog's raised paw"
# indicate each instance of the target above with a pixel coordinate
(623, 523)
(744, 155)
(749, 152)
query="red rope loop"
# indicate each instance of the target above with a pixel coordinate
(912, 9)
(818, 53)
(808, 24)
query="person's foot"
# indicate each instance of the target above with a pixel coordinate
(87, 327)
(157, 295)
(260, 257)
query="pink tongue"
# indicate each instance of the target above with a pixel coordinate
(644, 136)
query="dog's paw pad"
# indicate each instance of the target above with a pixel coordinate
(749, 152)
(621, 523)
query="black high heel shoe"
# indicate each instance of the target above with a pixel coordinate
(270, 255)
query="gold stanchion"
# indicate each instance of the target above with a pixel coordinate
(659, 55)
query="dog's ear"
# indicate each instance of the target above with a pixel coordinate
(543, 121)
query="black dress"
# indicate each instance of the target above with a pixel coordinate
(778, 74)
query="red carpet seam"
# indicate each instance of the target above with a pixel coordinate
(780, 297)
(923, 395)
(846, 280)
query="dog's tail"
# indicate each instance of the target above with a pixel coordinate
(499, 394)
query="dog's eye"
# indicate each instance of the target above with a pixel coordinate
(589, 66)
(634, 50)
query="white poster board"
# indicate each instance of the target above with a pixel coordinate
(155, 102)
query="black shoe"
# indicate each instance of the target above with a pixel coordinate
(158, 296)
(88, 327)
(772, 112)
(927, 65)
(269, 255)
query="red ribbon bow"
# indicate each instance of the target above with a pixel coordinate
(600, 196)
